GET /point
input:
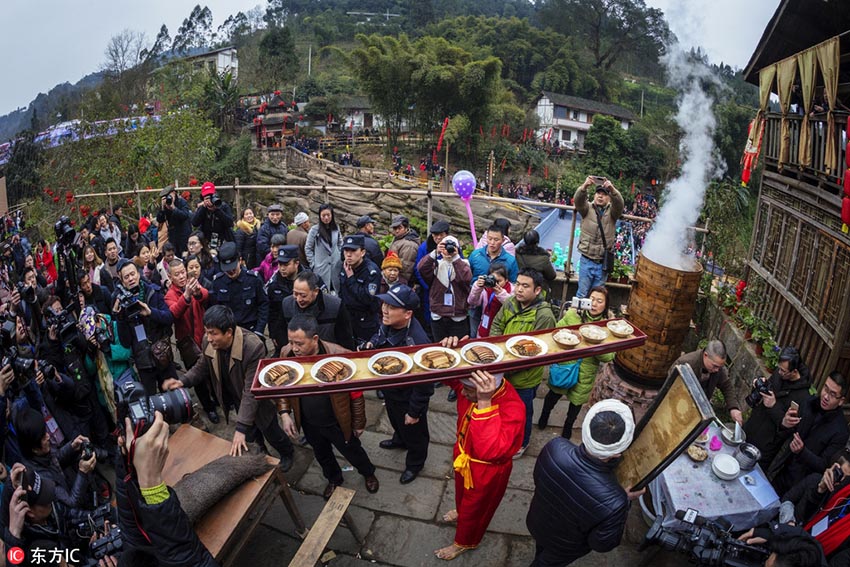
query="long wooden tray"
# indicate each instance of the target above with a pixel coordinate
(364, 379)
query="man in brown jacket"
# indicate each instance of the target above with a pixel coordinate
(227, 346)
(405, 244)
(298, 235)
(709, 366)
(605, 210)
(328, 420)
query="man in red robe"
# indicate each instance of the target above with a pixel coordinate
(491, 418)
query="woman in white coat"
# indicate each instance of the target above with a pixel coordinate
(324, 248)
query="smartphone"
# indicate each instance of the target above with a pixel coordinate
(837, 474)
(795, 406)
(598, 179)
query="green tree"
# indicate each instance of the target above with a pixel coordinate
(219, 101)
(23, 179)
(277, 56)
(195, 31)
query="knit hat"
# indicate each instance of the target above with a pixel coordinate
(301, 218)
(391, 260)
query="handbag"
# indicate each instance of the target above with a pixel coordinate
(162, 354)
(564, 375)
(608, 258)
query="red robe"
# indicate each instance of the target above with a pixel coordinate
(483, 457)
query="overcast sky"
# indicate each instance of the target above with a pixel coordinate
(47, 42)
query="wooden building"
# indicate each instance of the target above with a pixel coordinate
(799, 265)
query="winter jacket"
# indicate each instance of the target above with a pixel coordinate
(188, 316)
(480, 262)
(490, 302)
(580, 393)
(325, 259)
(216, 221)
(513, 318)
(578, 505)
(179, 225)
(373, 249)
(267, 268)
(298, 237)
(762, 428)
(418, 396)
(246, 243)
(540, 261)
(406, 247)
(349, 407)
(710, 381)
(331, 315)
(71, 486)
(590, 241)
(459, 285)
(264, 235)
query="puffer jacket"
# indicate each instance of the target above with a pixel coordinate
(580, 393)
(407, 247)
(511, 319)
(578, 504)
(264, 236)
(590, 241)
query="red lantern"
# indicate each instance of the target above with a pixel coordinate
(845, 210)
(130, 202)
(55, 199)
(193, 182)
(92, 182)
(73, 223)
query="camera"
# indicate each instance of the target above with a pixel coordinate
(65, 233)
(23, 367)
(128, 301)
(132, 401)
(451, 249)
(86, 523)
(580, 303)
(26, 292)
(169, 199)
(760, 387)
(86, 451)
(490, 280)
(110, 544)
(216, 201)
(837, 474)
(706, 542)
(65, 323)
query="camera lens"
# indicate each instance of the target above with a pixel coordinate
(174, 405)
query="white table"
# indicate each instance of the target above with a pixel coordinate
(688, 484)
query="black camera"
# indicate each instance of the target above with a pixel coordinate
(86, 523)
(837, 475)
(110, 544)
(451, 249)
(706, 542)
(86, 451)
(216, 201)
(128, 301)
(132, 401)
(65, 323)
(23, 367)
(169, 199)
(26, 292)
(490, 280)
(65, 233)
(760, 387)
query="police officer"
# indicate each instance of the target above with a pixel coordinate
(366, 227)
(240, 290)
(359, 281)
(279, 287)
(407, 406)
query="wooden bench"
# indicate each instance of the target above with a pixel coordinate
(317, 539)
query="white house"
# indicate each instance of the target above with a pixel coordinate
(568, 118)
(217, 61)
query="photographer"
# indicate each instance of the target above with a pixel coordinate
(598, 231)
(771, 398)
(448, 276)
(31, 295)
(213, 217)
(789, 546)
(144, 325)
(174, 210)
(153, 526)
(489, 293)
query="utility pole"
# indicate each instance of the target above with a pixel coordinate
(310, 60)
(641, 103)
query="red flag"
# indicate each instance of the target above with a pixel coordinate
(481, 130)
(524, 133)
(296, 130)
(502, 166)
(493, 132)
(442, 133)
(546, 171)
(434, 156)
(529, 169)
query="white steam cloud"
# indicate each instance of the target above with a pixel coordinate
(668, 240)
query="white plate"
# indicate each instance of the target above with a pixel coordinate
(495, 349)
(290, 363)
(408, 362)
(314, 371)
(514, 340)
(417, 357)
(725, 467)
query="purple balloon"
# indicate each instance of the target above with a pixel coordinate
(464, 184)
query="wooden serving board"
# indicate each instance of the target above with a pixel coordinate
(364, 379)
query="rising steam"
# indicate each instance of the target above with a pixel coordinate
(667, 241)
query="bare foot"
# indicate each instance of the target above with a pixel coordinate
(450, 551)
(450, 517)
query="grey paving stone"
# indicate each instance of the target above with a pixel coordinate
(419, 499)
(522, 474)
(509, 517)
(522, 552)
(268, 548)
(441, 426)
(351, 561)
(410, 543)
(438, 465)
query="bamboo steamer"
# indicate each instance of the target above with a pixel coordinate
(661, 305)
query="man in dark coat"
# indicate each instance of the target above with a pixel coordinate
(279, 287)
(175, 210)
(240, 290)
(578, 504)
(271, 226)
(213, 217)
(709, 366)
(359, 281)
(308, 298)
(366, 227)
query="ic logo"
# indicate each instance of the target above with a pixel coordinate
(15, 555)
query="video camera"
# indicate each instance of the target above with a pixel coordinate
(132, 401)
(26, 292)
(128, 301)
(706, 542)
(66, 325)
(65, 233)
(761, 386)
(23, 367)
(580, 303)
(109, 544)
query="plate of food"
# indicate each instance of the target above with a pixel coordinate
(390, 363)
(593, 333)
(481, 353)
(620, 328)
(524, 346)
(436, 358)
(697, 453)
(566, 338)
(333, 369)
(281, 374)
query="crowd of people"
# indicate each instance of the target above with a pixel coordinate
(91, 321)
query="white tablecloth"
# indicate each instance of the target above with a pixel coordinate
(688, 484)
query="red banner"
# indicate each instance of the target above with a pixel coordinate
(442, 133)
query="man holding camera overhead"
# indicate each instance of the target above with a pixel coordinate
(598, 231)
(227, 346)
(174, 210)
(213, 217)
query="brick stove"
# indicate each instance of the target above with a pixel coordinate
(610, 384)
